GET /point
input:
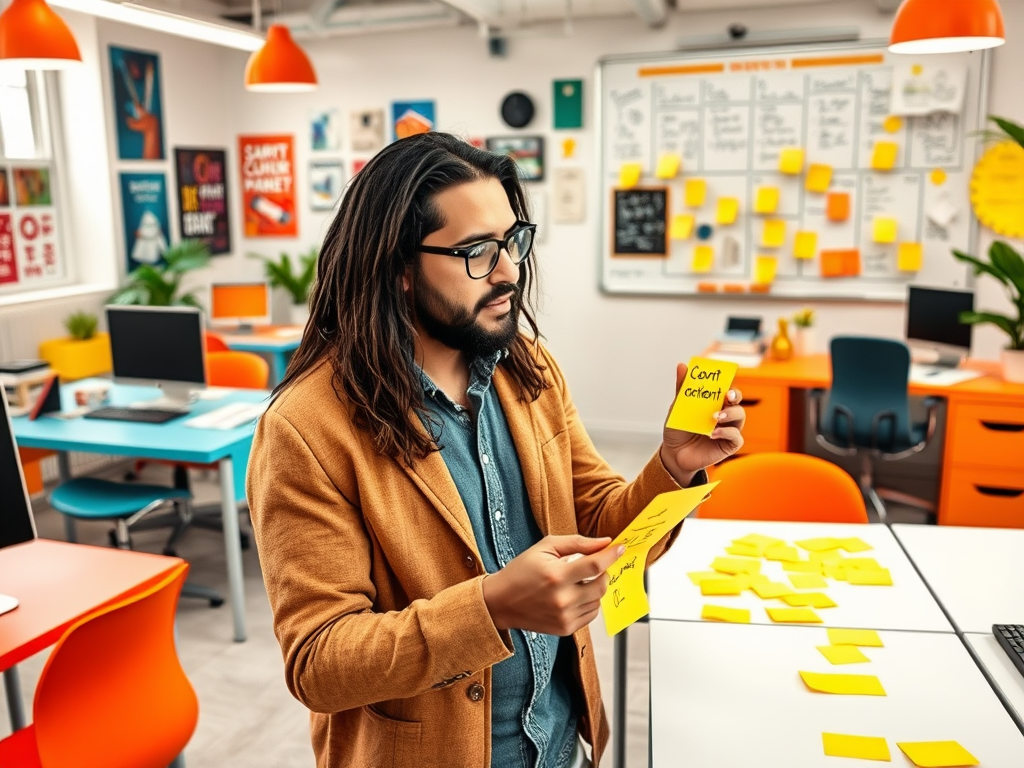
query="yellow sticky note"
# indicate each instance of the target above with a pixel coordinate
(568, 147)
(910, 257)
(758, 540)
(808, 580)
(745, 550)
(886, 229)
(791, 161)
(695, 192)
(819, 178)
(703, 258)
(805, 245)
(793, 615)
(698, 576)
(853, 544)
(871, 577)
(825, 556)
(843, 654)
(782, 554)
(629, 175)
(625, 601)
(802, 567)
(774, 233)
(938, 177)
(668, 166)
(736, 565)
(833, 570)
(936, 754)
(851, 685)
(765, 268)
(701, 395)
(883, 158)
(819, 544)
(721, 613)
(866, 637)
(893, 124)
(809, 599)
(767, 200)
(681, 227)
(867, 563)
(863, 747)
(770, 589)
(721, 586)
(728, 210)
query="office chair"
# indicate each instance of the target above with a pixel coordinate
(113, 692)
(790, 487)
(867, 413)
(215, 342)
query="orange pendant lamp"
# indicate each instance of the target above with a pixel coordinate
(947, 26)
(280, 65)
(33, 36)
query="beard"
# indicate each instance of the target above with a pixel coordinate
(457, 328)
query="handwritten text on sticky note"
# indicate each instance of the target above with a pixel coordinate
(702, 395)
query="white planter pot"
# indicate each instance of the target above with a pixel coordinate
(299, 314)
(1013, 365)
(804, 341)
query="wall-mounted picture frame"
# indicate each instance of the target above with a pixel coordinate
(527, 151)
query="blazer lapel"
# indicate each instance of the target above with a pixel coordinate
(524, 436)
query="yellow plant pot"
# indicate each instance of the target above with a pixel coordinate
(77, 359)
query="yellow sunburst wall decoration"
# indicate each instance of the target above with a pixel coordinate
(997, 189)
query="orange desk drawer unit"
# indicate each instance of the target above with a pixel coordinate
(985, 498)
(987, 435)
(767, 409)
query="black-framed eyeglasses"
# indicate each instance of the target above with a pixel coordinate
(481, 258)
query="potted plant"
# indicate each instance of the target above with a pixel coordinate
(803, 332)
(295, 277)
(159, 285)
(82, 353)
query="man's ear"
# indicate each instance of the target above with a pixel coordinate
(407, 279)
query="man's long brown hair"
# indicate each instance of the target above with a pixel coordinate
(359, 316)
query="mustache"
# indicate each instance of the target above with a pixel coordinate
(498, 292)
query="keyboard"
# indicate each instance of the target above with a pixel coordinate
(144, 415)
(1011, 638)
(228, 416)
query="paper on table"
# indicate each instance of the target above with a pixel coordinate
(910, 257)
(809, 599)
(807, 580)
(843, 654)
(722, 586)
(883, 158)
(698, 576)
(886, 229)
(728, 210)
(701, 395)
(879, 577)
(863, 747)
(696, 191)
(803, 566)
(736, 565)
(853, 544)
(629, 175)
(793, 615)
(865, 563)
(869, 638)
(805, 245)
(668, 166)
(936, 754)
(703, 258)
(820, 544)
(852, 685)
(770, 590)
(757, 539)
(745, 550)
(767, 200)
(721, 613)
(819, 178)
(782, 553)
(626, 601)
(774, 233)
(791, 161)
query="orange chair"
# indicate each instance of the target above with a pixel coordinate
(242, 370)
(215, 343)
(31, 459)
(790, 487)
(113, 693)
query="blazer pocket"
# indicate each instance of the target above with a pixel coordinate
(385, 742)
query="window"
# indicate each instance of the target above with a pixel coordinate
(30, 244)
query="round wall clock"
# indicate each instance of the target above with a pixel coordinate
(517, 109)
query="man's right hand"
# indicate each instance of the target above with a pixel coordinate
(544, 590)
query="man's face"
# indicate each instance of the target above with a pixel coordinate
(476, 317)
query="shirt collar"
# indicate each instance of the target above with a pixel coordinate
(481, 371)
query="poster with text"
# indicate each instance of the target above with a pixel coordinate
(35, 244)
(8, 261)
(409, 118)
(146, 224)
(203, 197)
(268, 186)
(138, 114)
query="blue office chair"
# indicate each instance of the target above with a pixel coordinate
(867, 413)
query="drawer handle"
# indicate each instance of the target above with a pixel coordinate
(751, 402)
(998, 426)
(1006, 493)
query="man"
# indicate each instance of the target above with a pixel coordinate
(433, 521)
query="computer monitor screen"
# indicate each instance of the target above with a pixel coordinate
(239, 304)
(933, 318)
(16, 522)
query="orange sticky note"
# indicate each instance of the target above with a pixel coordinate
(770, 589)
(791, 161)
(728, 210)
(883, 158)
(765, 268)
(681, 227)
(837, 206)
(701, 396)
(871, 577)
(866, 637)
(886, 229)
(805, 246)
(721, 613)
(668, 166)
(850, 685)
(782, 554)
(936, 754)
(629, 175)
(862, 747)
(767, 200)
(774, 233)
(819, 178)
(793, 615)
(808, 580)
(735, 564)
(841, 263)
(703, 258)
(696, 191)
(910, 257)
(843, 654)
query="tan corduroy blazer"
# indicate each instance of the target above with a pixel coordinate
(374, 575)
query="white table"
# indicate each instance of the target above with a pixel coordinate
(906, 605)
(1000, 669)
(974, 572)
(730, 696)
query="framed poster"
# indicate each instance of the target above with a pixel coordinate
(138, 115)
(527, 151)
(201, 177)
(367, 130)
(325, 180)
(324, 130)
(409, 118)
(268, 186)
(146, 223)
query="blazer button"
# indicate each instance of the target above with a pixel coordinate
(475, 692)
(470, 562)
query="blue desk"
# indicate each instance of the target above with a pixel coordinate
(171, 440)
(278, 342)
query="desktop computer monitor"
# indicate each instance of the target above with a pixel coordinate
(16, 522)
(239, 305)
(934, 331)
(159, 346)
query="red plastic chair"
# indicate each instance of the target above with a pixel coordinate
(215, 343)
(113, 693)
(789, 487)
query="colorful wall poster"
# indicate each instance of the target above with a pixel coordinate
(5, 195)
(527, 151)
(32, 186)
(35, 243)
(146, 224)
(325, 180)
(324, 130)
(268, 186)
(568, 101)
(409, 118)
(203, 197)
(367, 130)
(138, 115)
(8, 262)
(357, 165)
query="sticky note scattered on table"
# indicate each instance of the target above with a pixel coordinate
(837, 206)
(805, 245)
(793, 615)
(791, 161)
(782, 554)
(871, 577)
(825, 555)
(809, 599)
(910, 257)
(668, 166)
(736, 565)
(808, 580)
(721, 613)
(681, 227)
(863, 747)
(770, 589)
(886, 229)
(722, 586)
(774, 233)
(936, 754)
(698, 576)
(701, 395)
(820, 544)
(866, 563)
(765, 268)
(819, 178)
(625, 601)
(843, 654)
(728, 210)
(767, 200)
(883, 158)
(853, 544)
(695, 192)
(757, 539)
(850, 685)
(869, 638)
(629, 175)
(745, 550)
(803, 566)
(703, 259)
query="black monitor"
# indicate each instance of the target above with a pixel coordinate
(934, 330)
(16, 522)
(159, 346)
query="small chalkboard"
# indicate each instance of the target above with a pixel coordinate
(639, 221)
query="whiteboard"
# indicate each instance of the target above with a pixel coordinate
(729, 116)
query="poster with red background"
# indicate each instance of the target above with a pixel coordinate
(267, 165)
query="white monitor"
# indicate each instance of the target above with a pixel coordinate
(239, 306)
(16, 522)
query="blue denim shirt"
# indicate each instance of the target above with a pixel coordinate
(533, 720)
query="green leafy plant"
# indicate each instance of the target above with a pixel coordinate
(160, 285)
(1007, 130)
(804, 318)
(1006, 266)
(81, 325)
(296, 276)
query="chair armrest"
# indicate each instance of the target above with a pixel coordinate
(816, 417)
(932, 404)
